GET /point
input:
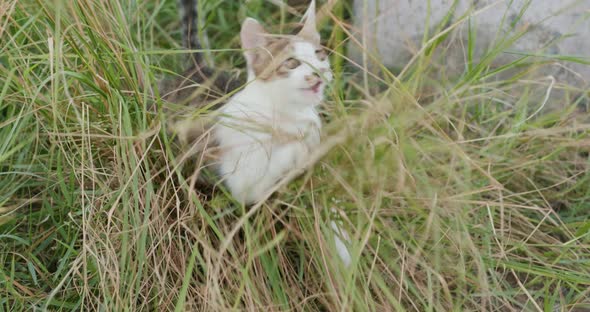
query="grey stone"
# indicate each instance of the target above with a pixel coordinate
(393, 30)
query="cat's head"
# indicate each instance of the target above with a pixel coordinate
(296, 64)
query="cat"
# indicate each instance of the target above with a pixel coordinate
(271, 125)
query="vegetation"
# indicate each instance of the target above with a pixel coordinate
(461, 191)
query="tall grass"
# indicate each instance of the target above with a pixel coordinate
(458, 192)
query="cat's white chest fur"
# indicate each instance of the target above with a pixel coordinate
(259, 143)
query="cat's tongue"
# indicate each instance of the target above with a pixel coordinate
(316, 87)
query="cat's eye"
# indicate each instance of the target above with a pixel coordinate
(291, 63)
(321, 54)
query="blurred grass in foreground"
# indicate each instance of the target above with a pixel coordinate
(458, 195)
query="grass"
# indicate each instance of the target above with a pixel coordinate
(466, 191)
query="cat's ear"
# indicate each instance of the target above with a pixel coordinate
(309, 31)
(252, 36)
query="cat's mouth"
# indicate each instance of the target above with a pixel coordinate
(315, 88)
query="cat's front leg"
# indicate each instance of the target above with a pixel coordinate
(283, 159)
(251, 171)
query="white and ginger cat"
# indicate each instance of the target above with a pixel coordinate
(272, 125)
